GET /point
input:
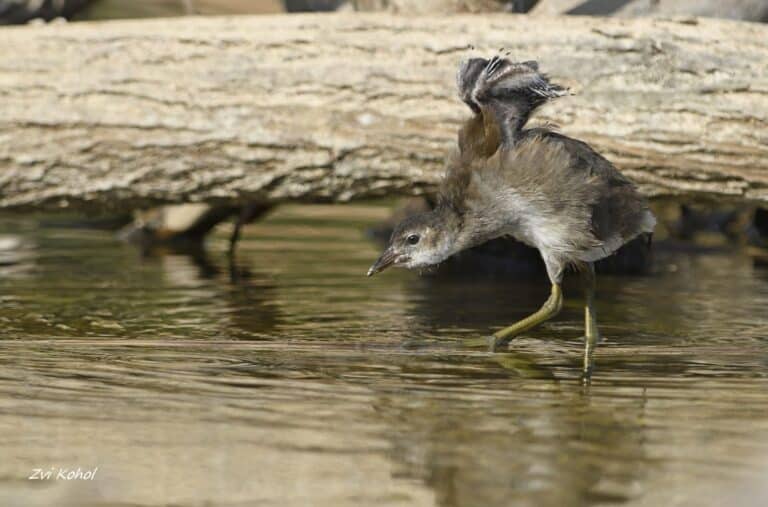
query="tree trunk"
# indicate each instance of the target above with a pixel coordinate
(342, 106)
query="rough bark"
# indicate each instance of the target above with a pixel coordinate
(343, 106)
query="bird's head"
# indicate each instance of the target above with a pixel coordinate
(418, 241)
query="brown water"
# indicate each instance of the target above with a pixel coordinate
(293, 380)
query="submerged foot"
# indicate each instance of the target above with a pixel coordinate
(591, 340)
(498, 343)
(501, 338)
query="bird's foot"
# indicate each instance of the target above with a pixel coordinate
(494, 344)
(498, 343)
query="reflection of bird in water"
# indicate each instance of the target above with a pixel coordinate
(555, 446)
(549, 191)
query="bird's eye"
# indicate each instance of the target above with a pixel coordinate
(412, 239)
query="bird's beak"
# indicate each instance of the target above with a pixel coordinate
(386, 260)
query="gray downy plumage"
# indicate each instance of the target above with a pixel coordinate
(545, 189)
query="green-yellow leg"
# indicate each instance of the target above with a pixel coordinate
(549, 309)
(591, 333)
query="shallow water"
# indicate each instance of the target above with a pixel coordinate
(292, 380)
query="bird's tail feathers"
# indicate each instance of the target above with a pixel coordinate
(503, 79)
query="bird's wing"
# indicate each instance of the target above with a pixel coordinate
(618, 212)
(584, 158)
(502, 94)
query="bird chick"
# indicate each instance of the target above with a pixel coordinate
(547, 190)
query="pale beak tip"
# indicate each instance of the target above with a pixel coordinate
(387, 259)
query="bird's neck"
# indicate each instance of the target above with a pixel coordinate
(466, 229)
(457, 233)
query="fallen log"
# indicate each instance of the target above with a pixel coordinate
(341, 106)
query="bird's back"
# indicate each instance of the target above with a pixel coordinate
(618, 212)
(554, 193)
(550, 191)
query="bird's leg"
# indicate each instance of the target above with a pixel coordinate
(592, 334)
(549, 309)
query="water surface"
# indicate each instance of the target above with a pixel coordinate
(290, 379)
